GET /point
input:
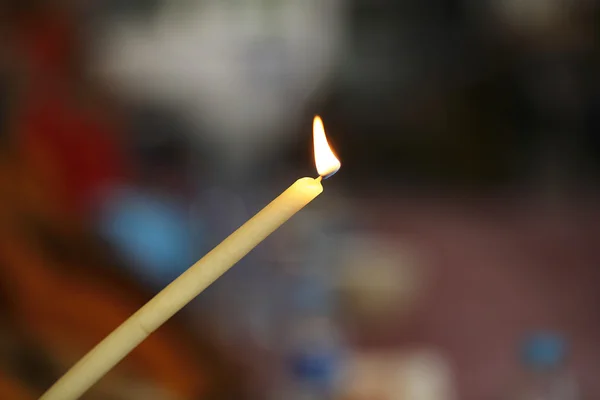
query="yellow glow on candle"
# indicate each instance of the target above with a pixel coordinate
(327, 163)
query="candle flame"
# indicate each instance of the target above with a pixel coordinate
(326, 162)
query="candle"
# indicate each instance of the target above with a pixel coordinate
(102, 358)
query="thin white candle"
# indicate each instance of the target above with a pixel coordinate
(102, 358)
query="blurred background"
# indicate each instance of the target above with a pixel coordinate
(455, 256)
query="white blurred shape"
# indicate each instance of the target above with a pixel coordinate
(426, 376)
(417, 375)
(245, 69)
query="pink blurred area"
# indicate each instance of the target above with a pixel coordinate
(501, 266)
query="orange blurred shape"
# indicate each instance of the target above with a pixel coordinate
(69, 308)
(13, 390)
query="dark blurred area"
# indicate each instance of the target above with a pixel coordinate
(454, 256)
